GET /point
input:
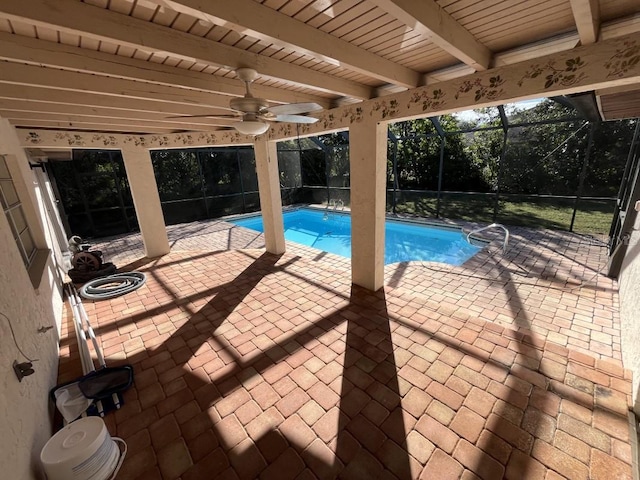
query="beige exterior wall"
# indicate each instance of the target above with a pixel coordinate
(25, 415)
(629, 285)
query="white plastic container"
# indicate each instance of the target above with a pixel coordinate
(83, 450)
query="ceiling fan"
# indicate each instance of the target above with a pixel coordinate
(254, 113)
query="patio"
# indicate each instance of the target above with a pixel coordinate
(254, 365)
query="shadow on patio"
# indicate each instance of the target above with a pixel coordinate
(284, 371)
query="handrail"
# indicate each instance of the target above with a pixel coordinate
(493, 225)
(338, 202)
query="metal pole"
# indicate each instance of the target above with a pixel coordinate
(441, 133)
(505, 128)
(394, 169)
(496, 205)
(327, 157)
(202, 182)
(443, 141)
(583, 173)
(116, 179)
(244, 205)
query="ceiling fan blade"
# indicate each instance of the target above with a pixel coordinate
(294, 119)
(294, 108)
(205, 116)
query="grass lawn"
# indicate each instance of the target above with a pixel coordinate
(592, 216)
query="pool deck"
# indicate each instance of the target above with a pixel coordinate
(250, 365)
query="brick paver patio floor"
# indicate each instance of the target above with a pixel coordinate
(250, 365)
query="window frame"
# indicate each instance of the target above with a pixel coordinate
(10, 211)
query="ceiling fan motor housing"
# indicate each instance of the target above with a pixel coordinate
(248, 104)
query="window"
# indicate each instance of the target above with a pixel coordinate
(15, 215)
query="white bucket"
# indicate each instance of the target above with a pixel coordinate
(83, 450)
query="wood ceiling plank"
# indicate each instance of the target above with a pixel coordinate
(313, 9)
(292, 7)
(22, 49)
(383, 27)
(460, 9)
(48, 34)
(498, 19)
(368, 18)
(183, 22)
(144, 11)
(178, 123)
(399, 36)
(65, 80)
(97, 3)
(22, 28)
(329, 14)
(124, 7)
(201, 28)
(612, 9)
(126, 51)
(89, 43)
(71, 16)
(275, 4)
(92, 100)
(356, 11)
(164, 16)
(90, 110)
(231, 38)
(246, 17)
(428, 18)
(523, 31)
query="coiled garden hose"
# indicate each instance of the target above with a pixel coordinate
(112, 286)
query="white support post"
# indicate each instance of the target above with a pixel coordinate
(368, 160)
(146, 200)
(270, 199)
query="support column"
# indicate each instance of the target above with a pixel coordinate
(270, 199)
(144, 190)
(368, 163)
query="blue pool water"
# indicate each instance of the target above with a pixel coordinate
(403, 241)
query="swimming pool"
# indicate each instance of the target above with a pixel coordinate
(331, 232)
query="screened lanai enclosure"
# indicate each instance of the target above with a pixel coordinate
(540, 163)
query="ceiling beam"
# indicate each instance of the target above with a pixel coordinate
(251, 18)
(586, 14)
(20, 74)
(71, 16)
(41, 52)
(431, 20)
(91, 128)
(77, 120)
(619, 27)
(27, 109)
(92, 100)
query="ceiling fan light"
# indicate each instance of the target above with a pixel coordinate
(251, 127)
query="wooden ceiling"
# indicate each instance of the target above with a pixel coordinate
(131, 65)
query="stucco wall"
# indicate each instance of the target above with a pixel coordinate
(25, 414)
(629, 283)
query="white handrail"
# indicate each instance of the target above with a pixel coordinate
(493, 225)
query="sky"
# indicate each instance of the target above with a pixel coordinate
(470, 115)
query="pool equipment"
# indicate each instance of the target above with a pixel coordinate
(86, 263)
(83, 450)
(505, 244)
(112, 286)
(97, 391)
